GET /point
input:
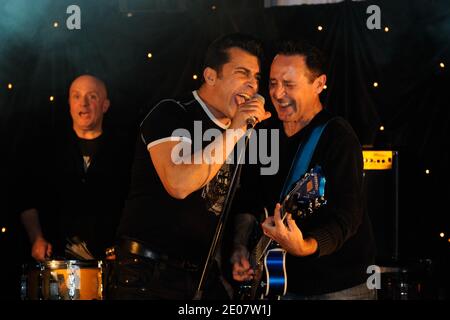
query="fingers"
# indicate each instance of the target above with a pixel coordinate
(245, 263)
(49, 251)
(266, 116)
(277, 215)
(38, 254)
(242, 270)
(41, 250)
(291, 223)
(255, 108)
(268, 225)
(269, 221)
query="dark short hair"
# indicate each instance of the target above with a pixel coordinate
(217, 54)
(314, 58)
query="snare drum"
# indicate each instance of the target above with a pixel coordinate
(64, 280)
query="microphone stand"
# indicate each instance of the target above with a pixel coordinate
(224, 214)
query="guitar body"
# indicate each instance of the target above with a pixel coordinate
(276, 277)
(267, 259)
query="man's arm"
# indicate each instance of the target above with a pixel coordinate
(288, 236)
(40, 248)
(244, 224)
(182, 179)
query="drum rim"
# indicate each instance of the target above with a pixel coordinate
(63, 264)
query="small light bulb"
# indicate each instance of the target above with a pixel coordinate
(129, 14)
(325, 86)
(427, 171)
(194, 77)
(3, 230)
(213, 7)
(10, 86)
(386, 29)
(52, 98)
(442, 65)
(55, 24)
(375, 84)
(441, 234)
(149, 55)
(381, 128)
(320, 28)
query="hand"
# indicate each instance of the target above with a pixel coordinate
(41, 249)
(251, 108)
(241, 266)
(289, 236)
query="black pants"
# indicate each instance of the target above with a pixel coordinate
(135, 278)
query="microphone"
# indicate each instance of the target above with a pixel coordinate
(251, 122)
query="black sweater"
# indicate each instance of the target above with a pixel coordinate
(341, 228)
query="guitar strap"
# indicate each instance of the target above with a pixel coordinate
(302, 159)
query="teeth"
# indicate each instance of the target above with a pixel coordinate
(245, 96)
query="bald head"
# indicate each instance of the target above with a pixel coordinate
(88, 102)
(86, 78)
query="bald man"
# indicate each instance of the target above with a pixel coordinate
(87, 173)
(88, 100)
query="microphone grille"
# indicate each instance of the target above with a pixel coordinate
(259, 97)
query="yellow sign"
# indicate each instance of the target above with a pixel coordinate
(377, 160)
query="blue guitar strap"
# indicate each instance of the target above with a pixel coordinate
(302, 159)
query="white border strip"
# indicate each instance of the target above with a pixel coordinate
(154, 143)
(208, 112)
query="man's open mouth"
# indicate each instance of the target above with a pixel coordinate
(242, 98)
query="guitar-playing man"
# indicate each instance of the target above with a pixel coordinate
(327, 254)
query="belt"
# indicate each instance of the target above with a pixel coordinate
(137, 248)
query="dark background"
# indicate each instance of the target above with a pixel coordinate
(410, 101)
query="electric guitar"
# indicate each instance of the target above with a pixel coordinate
(305, 197)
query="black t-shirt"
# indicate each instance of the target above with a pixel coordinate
(88, 148)
(180, 228)
(73, 200)
(342, 227)
(90, 199)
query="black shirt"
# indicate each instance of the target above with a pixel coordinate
(88, 148)
(179, 228)
(342, 227)
(73, 200)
